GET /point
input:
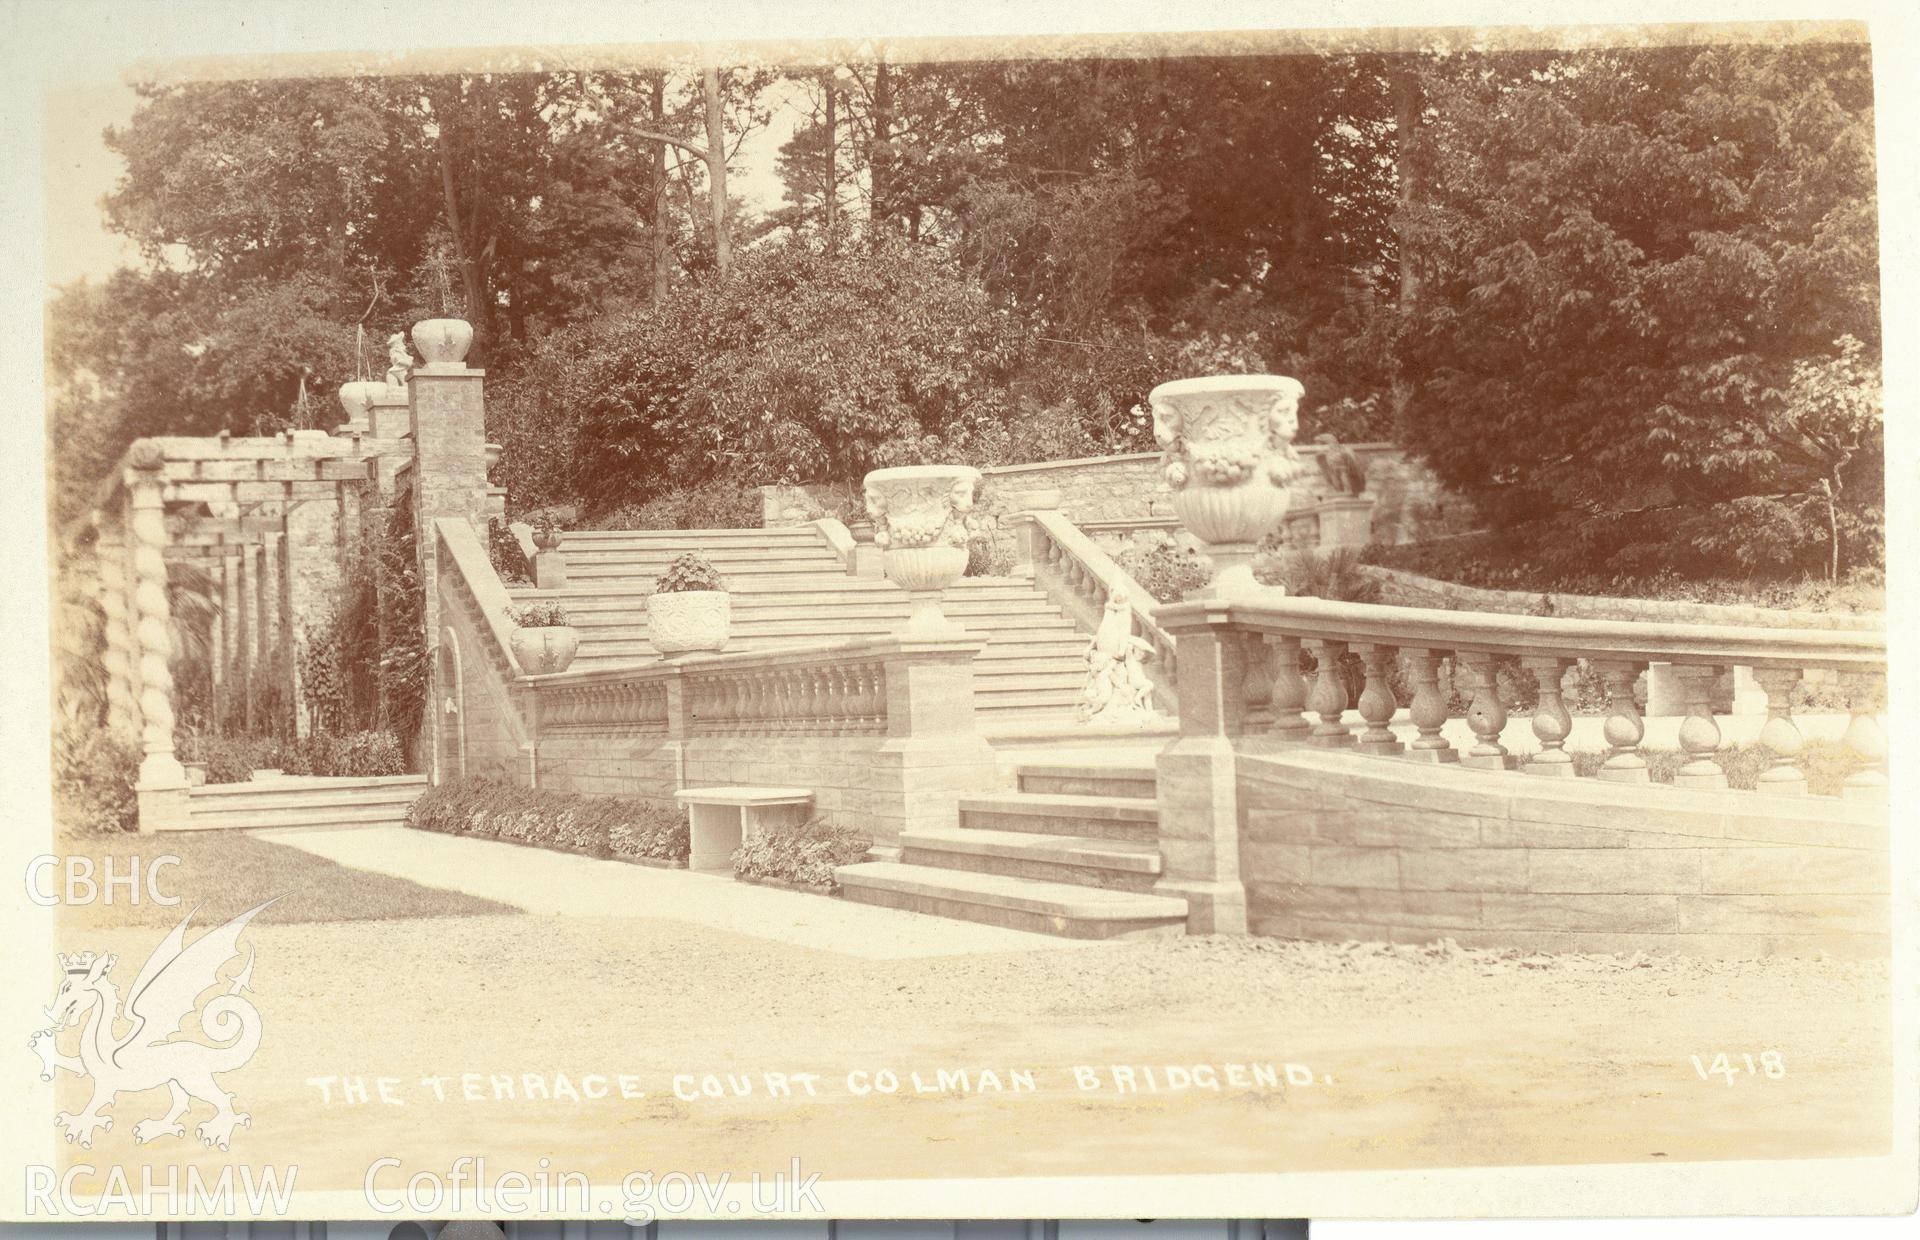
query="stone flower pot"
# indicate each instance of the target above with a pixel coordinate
(1228, 458)
(919, 515)
(443, 341)
(545, 650)
(357, 397)
(491, 454)
(681, 621)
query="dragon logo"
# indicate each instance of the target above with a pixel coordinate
(148, 1055)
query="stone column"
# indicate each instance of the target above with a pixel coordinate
(1345, 521)
(123, 703)
(247, 658)
(162, 786)
(1199, 795)
(271, 625)
(933, 753)
(312, 567)
(447, 415)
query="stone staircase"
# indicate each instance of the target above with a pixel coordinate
(304, 801)
(789, 588)
(1072, 851)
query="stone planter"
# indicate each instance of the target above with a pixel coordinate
(356, 399)
(1228, 457)
(688, 620)
(196, 774)
(919, 517)
(491, 453)
(545, 650)
(443, 341)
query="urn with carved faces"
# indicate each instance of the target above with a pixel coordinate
(919, 515)
(1228, 457)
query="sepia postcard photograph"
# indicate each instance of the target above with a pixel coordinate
(645, 614)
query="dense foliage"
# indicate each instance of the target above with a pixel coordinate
(599, 826)
(1624, 298)
(234, 759)
(537, 615)
(804, 855)
(1647, 318)
(94, 773)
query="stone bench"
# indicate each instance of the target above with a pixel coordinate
(719, 820)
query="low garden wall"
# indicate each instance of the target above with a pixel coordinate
(1340, 846)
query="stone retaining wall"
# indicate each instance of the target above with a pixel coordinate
(1342, 846)
(1411, 504)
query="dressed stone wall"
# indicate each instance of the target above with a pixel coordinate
(1340, 846)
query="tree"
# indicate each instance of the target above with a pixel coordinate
(1635, 265)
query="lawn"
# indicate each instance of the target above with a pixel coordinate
(231, 871)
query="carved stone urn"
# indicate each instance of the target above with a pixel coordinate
(689, 621)
(443, 341)
(1228, 457)
(545, 649)
(357, 397)
(919, 517)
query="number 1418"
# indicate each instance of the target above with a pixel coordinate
(1768, 1064)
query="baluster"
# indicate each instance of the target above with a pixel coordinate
(1699, 734)
(1623, 730)
(1780, 734)
(1865, 692)
(1429, 708)
(1551, 722)
(878, 673)
(815, 679)
(1259, 682)
(1328, 697)
(1487, 715)
(1376, 700)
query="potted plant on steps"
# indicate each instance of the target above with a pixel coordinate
(689, 609)
(543, 642)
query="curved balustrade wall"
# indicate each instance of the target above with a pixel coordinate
(1346, 821)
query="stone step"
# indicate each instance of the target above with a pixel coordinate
(201, 818)
(992, 678)
(1086, 779)
(373, 786)
(834, 585)
(1046, 813)
(989, 698)
(784, 533)
(798, 605)
(1124, 865)
(262, 798)
(1063, 909)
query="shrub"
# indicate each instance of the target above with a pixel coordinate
(1826, 764)
(985, 558)
(356, 753)
(689, 572)
(509, 558)
(601, 826)
(230, 759)
(1331, 575)
(94, 773)
(537, 615)
(721, 504)
(805, 855)
(1165, 572)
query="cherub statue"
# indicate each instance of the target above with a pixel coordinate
(400, 361)
(1118, 689)
(1340, 466)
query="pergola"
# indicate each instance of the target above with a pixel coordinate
(270, 519)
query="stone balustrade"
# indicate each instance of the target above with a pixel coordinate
(1268, 639)
(1081, 577)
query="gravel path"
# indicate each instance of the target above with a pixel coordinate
(1417, 1056)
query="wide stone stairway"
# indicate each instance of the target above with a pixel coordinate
(1071, 851)
(790, 588)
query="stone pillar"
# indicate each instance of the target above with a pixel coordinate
(123, 703)
(248, 656)
(389, 416)
(271, 623)
(447, 411)
(312, 567)
(549, 562)
(1345, 521)
(1198, 781)
(933, 753)
(162, 786)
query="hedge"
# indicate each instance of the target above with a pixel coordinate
(94, 773)
(804, 855)
(233, 759)
(598, 826)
